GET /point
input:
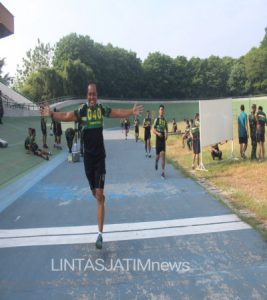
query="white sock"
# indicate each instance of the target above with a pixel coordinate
(101, 233)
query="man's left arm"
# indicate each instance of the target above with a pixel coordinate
(247, 126)
(124, 113)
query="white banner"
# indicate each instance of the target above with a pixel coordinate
(216, 121)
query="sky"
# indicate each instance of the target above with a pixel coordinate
(191, 28)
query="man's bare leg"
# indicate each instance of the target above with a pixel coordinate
(162, 154)
(100, 198)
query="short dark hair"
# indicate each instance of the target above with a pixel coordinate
(260, 108)
(253, 106)
(242, 107)
(161, 105)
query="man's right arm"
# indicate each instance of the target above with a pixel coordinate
(58, 116)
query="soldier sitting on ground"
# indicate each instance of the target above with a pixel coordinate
(32, 147)
(215, 151)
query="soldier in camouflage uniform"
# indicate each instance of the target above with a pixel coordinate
(253, 130)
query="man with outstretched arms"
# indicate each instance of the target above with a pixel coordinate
(91, 115)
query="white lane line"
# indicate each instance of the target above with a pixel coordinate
(30, 232)
(121, 236)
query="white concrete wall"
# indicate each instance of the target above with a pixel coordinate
(14, 95)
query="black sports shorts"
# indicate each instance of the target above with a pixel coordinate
(260, 136)
(196, 146)
(147, 135)
(243, 140)
(160, 145)
(95, 170)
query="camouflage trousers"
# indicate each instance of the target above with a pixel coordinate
(253, 146)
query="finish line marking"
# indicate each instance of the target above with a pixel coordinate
(119, 232)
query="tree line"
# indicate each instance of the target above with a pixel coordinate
(48, 72)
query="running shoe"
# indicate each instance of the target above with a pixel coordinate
(99, 242)
(163, 175)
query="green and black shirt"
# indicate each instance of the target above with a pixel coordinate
(160, 124)
(147, 124)
(261, 116)
(91, 119)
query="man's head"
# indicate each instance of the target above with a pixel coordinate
(260, 108)
(161, 110)
(253, 108)
(197, 116)
(147, 113)
(242, 107)
(91, 94)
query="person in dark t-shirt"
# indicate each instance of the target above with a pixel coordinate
(91, 116)
(160, 129)
(147, 133)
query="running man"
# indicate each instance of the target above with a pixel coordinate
(126, 127)
(261, 122)
(136, 129)
(91, 115)
(160, 129)
(122, 125)
(147, 133)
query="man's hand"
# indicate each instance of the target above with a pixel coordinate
(45, 111)
(137, 109)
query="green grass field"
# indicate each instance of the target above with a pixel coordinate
(179, 111)
(14, 161)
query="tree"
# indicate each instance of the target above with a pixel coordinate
(264, 41)
(43, 85)
(76, 76)
(36, 59)
(4, 78)
(119, 72)
(159, 76)
(256, 69)
(237, 79)
(74, 47)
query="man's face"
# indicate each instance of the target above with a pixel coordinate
(91, 95)
(147, 114)
(161, 111)
(253, 109)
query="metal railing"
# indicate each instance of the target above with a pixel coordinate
(15, 105)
